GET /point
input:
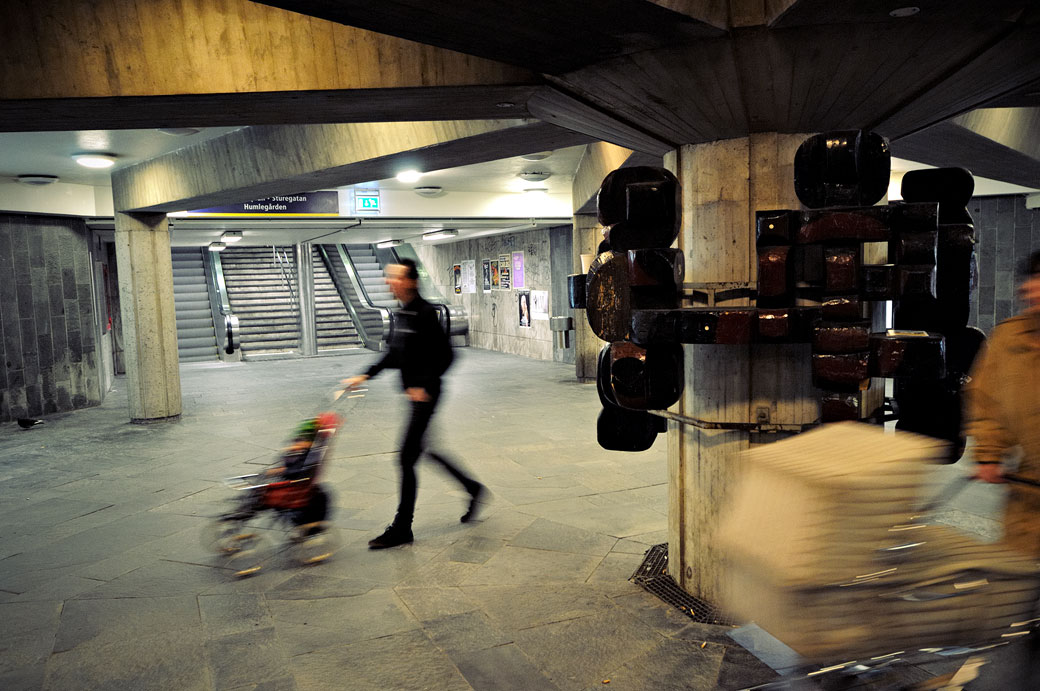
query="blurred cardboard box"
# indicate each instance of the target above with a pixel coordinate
(823, 550)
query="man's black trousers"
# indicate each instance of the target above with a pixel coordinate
(412, 447)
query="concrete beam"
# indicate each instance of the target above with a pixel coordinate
(599, 159)
(997, 143)
(257, 162)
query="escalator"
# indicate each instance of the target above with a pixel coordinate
(357, 271)
(196, 338)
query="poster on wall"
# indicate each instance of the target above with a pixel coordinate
(540, 304)
(456, 272)
(469, 276)
(523, 301)
(504, 282)
(495, 277)
(518, 269)
(486, 269)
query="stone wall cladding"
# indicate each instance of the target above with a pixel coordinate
(1006, 233)
(46, 317)
(493, 317)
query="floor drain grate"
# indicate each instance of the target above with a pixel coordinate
(652, 576)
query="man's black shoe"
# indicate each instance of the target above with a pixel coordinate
(475, 496)
(392, 537)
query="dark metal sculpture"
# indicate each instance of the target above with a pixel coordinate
(632, 292)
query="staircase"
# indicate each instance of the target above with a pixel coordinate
(267, 310)
(196, 339)
(332, 321)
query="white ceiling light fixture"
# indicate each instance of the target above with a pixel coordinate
(428, 190)
(387, 244)
(217, 247)
(536, 190)
(37, 179)
(440, 234)
(538, 156)
(535, 175)
(409, 176)
(179, 131)
(95, 160)
(231, 236)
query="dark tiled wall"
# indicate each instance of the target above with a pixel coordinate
(1006, 233)
(46, 317)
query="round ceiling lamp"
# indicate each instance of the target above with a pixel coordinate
(535, 175)
(428, 190)
(37, 179)
(95, 160)
(409, 176)
(179, 131)
(539, 156)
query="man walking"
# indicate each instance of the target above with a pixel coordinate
(421, 349)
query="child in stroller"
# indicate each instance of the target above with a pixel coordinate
(288, 494)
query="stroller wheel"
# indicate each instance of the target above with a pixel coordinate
(313, 543)
(226, 534)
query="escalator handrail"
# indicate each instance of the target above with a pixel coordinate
(362, 297)
(220, 304)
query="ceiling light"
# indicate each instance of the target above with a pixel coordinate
(409, 176)
(427, 191)
(217, 247)
(505, 104)
(387, 244)
(231, 236)
(440, 234)
(536, 190)
(37, 179)
(95, 160)
(904, 12)
(179, 131)
(538, 156)
(535, 175)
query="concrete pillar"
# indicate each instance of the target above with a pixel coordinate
(588, 233)
(723, 184)
(305, 291)
(149, 323)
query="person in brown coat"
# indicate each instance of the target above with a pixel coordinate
(1003, 411)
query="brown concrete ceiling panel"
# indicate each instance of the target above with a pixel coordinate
(1001, 66)
(804, 79)
(107, 48)
(823, 12)
(544, 35)
(256, 162)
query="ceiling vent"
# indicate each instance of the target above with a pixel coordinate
(535, 176)
(37, 179)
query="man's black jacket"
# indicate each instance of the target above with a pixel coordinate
(419, 347)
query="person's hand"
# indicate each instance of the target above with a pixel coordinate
(1029, 292)
(989, 472)
(354, 382)
(417, 394)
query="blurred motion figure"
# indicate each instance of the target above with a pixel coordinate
(1003, 411)
(421, 349)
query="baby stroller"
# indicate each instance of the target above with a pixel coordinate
(285, 499)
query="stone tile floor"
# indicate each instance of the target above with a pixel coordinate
(104, 583)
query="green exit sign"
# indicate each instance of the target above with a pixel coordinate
(366, 203)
